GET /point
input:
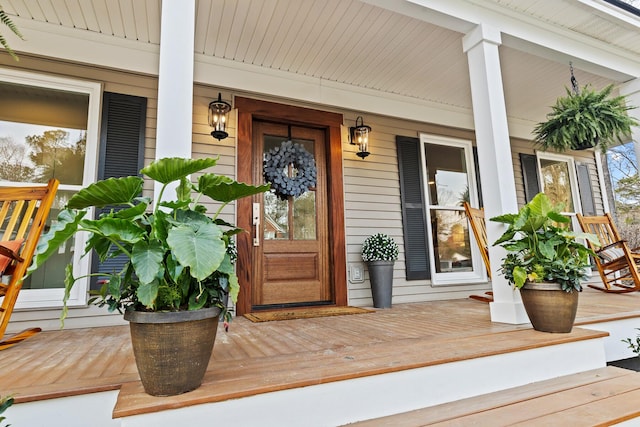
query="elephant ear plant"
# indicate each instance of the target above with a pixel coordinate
(541, 248)
(178, 258)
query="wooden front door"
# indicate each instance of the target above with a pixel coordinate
(290, 236)
(295, 255)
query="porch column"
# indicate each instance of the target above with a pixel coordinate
(175, 81)
(632, 91)
(494, 158)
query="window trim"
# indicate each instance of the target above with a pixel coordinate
(479, 273)
(44, 298)
(573, 178)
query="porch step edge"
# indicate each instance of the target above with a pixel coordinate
(603, 396)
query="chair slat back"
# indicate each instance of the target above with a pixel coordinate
(23, 215)
(479, 228)
(602, 226)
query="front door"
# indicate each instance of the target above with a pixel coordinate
(293, 250)
(290, 236)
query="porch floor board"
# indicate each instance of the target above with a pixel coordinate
(258, 357)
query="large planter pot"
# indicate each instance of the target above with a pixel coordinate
(549, 308)
(381, 278)
(172, 349)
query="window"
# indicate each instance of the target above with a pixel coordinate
(450, 181)
(558, 180)
(49, 129)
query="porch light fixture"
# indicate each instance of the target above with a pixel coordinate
(218, 116)
(359, 135)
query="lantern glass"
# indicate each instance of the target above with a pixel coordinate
(218, 117)
(360, 137)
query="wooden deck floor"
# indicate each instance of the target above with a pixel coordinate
(259, 357)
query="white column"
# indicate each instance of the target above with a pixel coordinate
(175, 81)
(632, 91)
(495, 161)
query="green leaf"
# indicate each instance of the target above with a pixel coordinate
(132, 213)
(101, 245)
(109, 192)
(201, 248)
(234, 287)
(519, 276)
(174, 168)
(147, 293)
(183, 191)
(196, 301)
(69, 281)
(506, 218)
(114, 286)
(146, 258)
(62, 230)
(116, 229)
(558, 217)
(224, 189)
(547, 249)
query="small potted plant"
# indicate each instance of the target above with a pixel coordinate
(380, 252)
(583, 119)
(546, 262)
(178, 270)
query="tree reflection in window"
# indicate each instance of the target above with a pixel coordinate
(52, 153)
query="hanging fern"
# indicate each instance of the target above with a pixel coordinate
(4, 18)
(585, 118)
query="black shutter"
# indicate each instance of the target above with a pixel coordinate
(476, 165)
(585, 188)
(529, 164)
(413, 209)
(122, 137)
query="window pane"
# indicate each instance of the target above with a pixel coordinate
(557, 183)
(42, 134)
(276, 217)
(304, 216)
(451, 245)
(447, 175)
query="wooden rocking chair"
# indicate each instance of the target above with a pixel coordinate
(616, 262)
(23, 214)
(478, 226)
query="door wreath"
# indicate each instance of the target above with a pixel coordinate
(276, 164)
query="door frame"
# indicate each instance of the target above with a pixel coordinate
(250, 110)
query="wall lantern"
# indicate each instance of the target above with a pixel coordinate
(359, 135)
(218, 116)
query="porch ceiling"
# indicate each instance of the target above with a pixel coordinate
(365, 44)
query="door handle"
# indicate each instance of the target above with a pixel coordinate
(256, 223)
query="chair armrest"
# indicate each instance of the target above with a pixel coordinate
(611, 245)
(10, 254)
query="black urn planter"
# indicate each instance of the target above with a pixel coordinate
(549, 308)
(172, 349)
(381, 278)
(585, 145)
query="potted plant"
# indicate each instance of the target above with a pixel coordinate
(380, 252)
(583, 119)
(178, 270)
(546, 262)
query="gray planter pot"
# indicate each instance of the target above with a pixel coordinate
(172, 349)
(381, 278)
